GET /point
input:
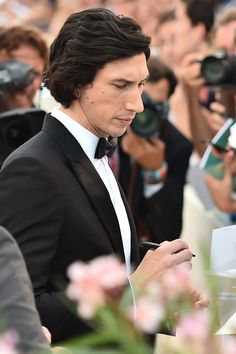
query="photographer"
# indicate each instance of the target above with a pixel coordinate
(23, 59)
(222, 190)
(16, 79)
(217, 74)
(152, 170)
(27, 45)
(206, 119)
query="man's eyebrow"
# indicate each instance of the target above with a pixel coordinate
(130, 81)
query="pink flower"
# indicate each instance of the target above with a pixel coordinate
(8, 342)
(147, 315)
(91, 282)
(176, 281)
(148, 309)
(85, 289)
(110, 271)
(194, 325)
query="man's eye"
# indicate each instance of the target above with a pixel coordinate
(120, 86)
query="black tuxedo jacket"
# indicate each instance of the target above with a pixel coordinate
(56, 206)
(160, 216)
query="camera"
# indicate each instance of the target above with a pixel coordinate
(15, 76)
(219, 69)
(149, 122)
(16, 127)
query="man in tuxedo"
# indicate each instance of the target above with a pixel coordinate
(58, 195)
(17, 306)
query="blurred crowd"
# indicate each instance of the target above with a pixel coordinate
(182, 34)
(191, 107)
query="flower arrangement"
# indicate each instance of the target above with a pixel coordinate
(123, 317)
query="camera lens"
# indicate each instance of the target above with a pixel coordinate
(146, 123)
(213, 70)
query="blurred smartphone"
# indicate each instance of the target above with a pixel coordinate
(219, 148)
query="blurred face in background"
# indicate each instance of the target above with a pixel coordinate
(29, 55)
(125, 7)
(224, 38)
(165, 5)
(144, 12)
(159, 90)
(167, 43)
(187, 37)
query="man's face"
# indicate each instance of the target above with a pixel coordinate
(108, 105)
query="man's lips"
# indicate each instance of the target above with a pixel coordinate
(126, 120)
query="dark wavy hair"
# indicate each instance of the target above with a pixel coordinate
(86, 42)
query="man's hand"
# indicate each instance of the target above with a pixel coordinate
(157, 262)
(149, 154)
(199, 299)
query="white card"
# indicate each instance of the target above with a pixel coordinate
(229, 326)
(223, 251)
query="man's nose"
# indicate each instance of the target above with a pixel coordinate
(135, 103)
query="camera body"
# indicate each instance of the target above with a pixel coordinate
(219, 70)
(149, 122)
(15, 76)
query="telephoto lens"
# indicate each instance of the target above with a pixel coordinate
(219, 69)
(148, 123)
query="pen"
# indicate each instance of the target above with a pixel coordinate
(152, 246)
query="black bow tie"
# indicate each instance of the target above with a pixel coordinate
(105, 147)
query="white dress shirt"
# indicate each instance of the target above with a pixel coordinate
(88, 142)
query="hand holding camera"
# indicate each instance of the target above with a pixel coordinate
(149, 154)
(219, 70)
(190, 71)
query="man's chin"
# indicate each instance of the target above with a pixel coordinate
(117, 134)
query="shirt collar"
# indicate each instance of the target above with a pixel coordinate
(85, 138)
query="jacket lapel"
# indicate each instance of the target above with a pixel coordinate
(89, 180)
(134, 257)
(100, 200)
